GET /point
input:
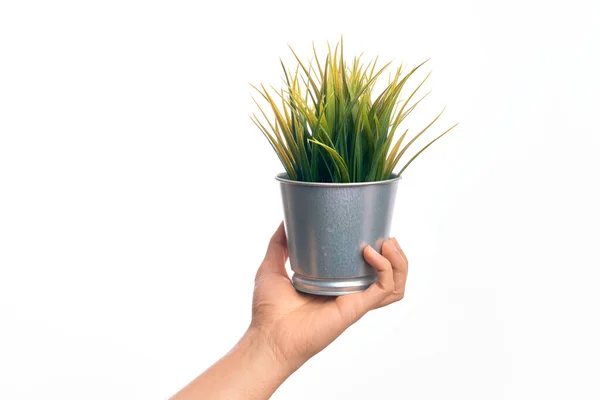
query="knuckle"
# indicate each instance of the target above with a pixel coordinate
(258, 279)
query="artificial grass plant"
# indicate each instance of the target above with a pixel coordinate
(326, 126)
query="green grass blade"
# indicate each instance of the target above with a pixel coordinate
(425, 148)
(339, 163)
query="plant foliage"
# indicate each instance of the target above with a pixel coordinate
(326, 126)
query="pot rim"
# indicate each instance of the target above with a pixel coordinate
(283, 178)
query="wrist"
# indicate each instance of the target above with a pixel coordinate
(264, 352)
(250, 371)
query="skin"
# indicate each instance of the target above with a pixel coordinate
(289, 327)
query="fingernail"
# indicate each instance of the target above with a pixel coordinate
(396, 244)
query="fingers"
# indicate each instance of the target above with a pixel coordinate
(384, 286)
(277, 253)
(392, 251)
(353, 306)
(400, 250)
(392, 268)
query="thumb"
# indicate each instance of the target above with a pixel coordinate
(277, 254)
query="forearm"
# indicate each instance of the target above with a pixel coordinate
(250, 371)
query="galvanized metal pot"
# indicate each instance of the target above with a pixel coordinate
(328, 225)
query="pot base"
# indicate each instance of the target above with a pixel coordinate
(331, 286)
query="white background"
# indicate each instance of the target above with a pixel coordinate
(137, 198)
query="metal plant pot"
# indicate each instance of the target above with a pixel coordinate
(328, 225)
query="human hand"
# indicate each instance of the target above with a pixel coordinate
(295, 325)
(289, 327)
